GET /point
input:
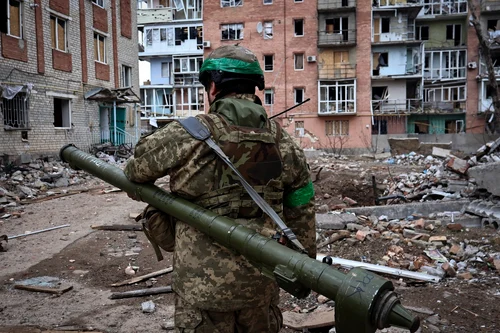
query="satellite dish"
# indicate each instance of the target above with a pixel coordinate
(259, 27)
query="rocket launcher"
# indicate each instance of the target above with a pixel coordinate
(364, 302)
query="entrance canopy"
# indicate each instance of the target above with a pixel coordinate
(120, 95)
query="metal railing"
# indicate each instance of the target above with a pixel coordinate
(445, 107)
(109, 135)
(337, 71)
(338, 37)
(335, 4)
(396, 3)
(395, 106)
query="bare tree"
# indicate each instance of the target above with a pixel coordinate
(485, 50)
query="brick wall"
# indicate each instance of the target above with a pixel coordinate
(100, 18)
(14, 48)
(61, 6)
(125, 19)
(63, 77)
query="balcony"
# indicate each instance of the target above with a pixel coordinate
(344, 37)
(395, 106)
(336, 5)
(490, 6)
(154, 15)
(337, 71)
(396, 3)
(433, 8)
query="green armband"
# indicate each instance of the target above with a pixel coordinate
(300, 197)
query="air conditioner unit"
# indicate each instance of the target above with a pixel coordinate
(206, 44)
(472, 65)
(311, 58)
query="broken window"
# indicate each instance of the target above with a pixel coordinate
(385, 23)
(99, 48)
(58, 33)
(100, 3)
(379, 126)
(126, 76)
(380, 59)
(269, 63)
(62, 113)
(298, 95)
(299, 128)
(336, 127)
(15, 111)
(232, 31)
(166, 68)
(299, 61)
(422, 33)
(329, 26)
(268, 30)
(298, 27)
(231, 3)
(268, 96)
(422, 127)
(454, 32)
(15, 18)
(268, 2)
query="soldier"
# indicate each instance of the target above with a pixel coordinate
(217, 290)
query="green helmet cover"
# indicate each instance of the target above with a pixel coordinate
(232, 59)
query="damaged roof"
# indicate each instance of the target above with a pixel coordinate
(119, 95)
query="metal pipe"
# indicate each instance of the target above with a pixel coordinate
(39, 231)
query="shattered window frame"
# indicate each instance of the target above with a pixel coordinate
(231, 3)
(232, 31)
(269, 96)
(268, 30)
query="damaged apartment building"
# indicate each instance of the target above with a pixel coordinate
(68, 74)
(171, 41)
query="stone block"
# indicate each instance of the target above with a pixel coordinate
(334, 221)
(486, 177)
(458, 165)
(440, 152)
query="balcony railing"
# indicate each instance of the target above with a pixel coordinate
(155, 15)
(396, 3)
(325, 5)
(337, 71)
(490, 5)
(395, 106)
(116, 137)
(337, 107)
(442, 7)
(445, 73)
(343, 37)
(445, 107)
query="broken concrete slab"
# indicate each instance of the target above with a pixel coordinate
(404, 210)
(382, 156)
(440, 152)
(458, 165)
(486, 177)
(334, 221)
(403, 145)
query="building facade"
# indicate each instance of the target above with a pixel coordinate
(171, 38)
(67, 75)
(383, 67)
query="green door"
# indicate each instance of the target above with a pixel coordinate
(121, 114)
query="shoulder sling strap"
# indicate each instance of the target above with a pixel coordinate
(200, 132)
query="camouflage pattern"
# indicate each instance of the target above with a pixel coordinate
(206, 275)
(265, 319)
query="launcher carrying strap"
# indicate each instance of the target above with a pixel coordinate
(200, 132)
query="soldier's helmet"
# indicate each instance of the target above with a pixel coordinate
(231, 63)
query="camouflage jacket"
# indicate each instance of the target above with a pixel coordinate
(206, 274)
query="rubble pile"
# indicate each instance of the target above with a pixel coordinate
(419, 244)
(42, 177)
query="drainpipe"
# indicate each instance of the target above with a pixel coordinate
(114, 123)
(135, 122)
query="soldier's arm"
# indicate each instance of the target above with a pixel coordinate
(298, 205)
(157, 153)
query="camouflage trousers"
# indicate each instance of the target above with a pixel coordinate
(189, 319)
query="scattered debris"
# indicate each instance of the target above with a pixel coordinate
(4, 240)
(303, 321)
(148, 307)
(142, 292)
(143, 277)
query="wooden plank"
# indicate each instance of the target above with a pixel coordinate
(118, 227)
(314, 319)
(142, 292)
(143, 277)
(56, 291)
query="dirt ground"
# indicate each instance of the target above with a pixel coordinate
(91, 260)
